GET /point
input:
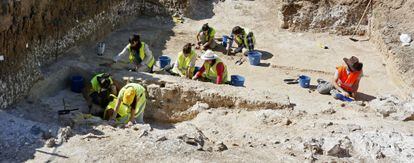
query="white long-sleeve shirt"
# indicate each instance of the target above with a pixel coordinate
(192, 64)
(125, 52)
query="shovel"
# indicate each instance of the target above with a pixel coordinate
(359, 23)
(291, 81)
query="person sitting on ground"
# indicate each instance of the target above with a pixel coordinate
(129, 106)
(205, 38)
(139, 55)
(98, 92)
(213, 70)
(346, 79)
(244, 39)
(185, 63)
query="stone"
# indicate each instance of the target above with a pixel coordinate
(64, 134)
(339, 152)
(163, 138)
(329, 111)
(313, 146)
(50, 143)
(220, 146)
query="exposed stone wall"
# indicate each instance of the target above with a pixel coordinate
(335, 16)
(34, 32)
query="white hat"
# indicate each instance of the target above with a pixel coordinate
(209, 55)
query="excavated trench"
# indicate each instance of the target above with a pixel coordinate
(169, 99)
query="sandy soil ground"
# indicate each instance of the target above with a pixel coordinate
(317, 128)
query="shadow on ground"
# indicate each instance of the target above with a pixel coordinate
(266, 55)
(364, 97)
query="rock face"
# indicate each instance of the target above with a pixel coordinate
(33, 33)
(336, 16)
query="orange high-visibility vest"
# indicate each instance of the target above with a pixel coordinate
(347, 81)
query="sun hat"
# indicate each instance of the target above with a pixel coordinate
(209, 55)
(353, 63)
(129, 96)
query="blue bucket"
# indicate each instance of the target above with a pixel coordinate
(304, 81)
(164, 61)
(237, 80)
(224, 42)
(254, 57)
(76, 84)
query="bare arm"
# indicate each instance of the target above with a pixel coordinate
(122, 53)
(177, 68)
(208, 42)
(133, 109)
(118, 104)
(198, 37)
(336, 85)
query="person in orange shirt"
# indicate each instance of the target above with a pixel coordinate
(346, 79)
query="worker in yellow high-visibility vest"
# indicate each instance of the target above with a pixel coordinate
(185, 64)
(213, 70)
(205, 38)
(139, 55)
(129, 107)
(244, 39)
(98, 92)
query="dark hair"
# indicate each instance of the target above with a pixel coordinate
(205, 27)
(104, 80)
(134, 37)
(187, 48)
(237, 30)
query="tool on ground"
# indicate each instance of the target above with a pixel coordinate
(291, 81)
(359, 23)
(322, 46)
(177, 18)
(238, 61)
(343, 98)
(63, 112)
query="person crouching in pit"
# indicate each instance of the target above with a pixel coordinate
(213, 70)
(129, 107)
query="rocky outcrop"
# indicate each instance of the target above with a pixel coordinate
(34, 33)
(335, 16)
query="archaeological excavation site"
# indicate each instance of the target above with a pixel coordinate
(206, 81)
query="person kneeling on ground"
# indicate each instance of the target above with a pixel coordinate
(185, 64)
(244, 39)
(213, 70)
(346, 79)
(98, 92)
(129, 107)
(205, 38)
(139, 55)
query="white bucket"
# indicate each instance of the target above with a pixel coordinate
(101, 48)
